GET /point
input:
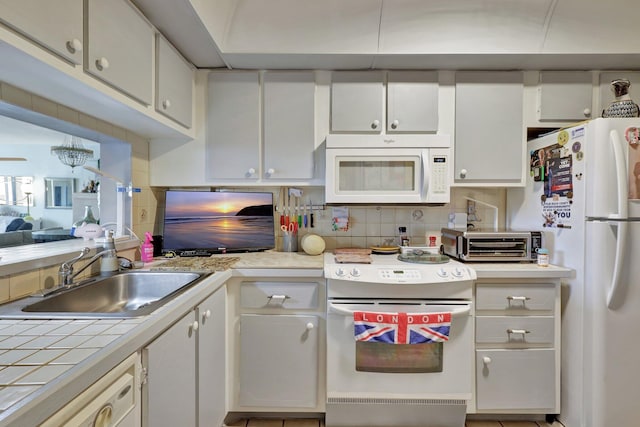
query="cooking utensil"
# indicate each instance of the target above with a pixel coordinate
(291, 228)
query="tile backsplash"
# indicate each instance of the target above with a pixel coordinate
(378, 225)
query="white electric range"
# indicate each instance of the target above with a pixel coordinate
(381, 384)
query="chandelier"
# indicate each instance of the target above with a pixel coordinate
(72, 153)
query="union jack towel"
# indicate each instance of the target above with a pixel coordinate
(401, 328)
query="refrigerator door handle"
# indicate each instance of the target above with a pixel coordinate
(621, 175)
(616, 289)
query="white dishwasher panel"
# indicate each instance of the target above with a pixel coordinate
(111, 402)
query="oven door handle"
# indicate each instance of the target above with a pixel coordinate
(343, 311)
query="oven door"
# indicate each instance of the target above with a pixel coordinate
(371, 369)
(404, 384)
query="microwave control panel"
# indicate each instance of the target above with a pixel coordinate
(438, 185)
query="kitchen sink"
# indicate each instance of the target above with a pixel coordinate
(127, 294)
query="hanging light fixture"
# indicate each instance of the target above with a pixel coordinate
(72, 153)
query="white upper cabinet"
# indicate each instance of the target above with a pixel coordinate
(56, 25)
(359, 101)
(233, 126)
(489, 129)
(289, 131)
(412, 101)
(174, 80)
(565, 96)
(356, 101)
(122, 58)
(254, 141)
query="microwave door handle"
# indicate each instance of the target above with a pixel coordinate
(424, 181)
(333, 308)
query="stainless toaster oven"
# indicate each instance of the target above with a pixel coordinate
(491, 246)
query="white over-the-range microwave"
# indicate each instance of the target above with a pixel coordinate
(388, 168)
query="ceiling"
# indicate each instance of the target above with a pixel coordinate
(361, 34)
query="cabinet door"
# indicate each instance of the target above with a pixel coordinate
(55, 25)
(279, 360)
(516, 379)
(211, 359)
(233, 126)
(412, 101)
(289, 131)
(120, 47)
(171, 382)
(564, 95)
(490, 136)
(174, 97)
(356, 101)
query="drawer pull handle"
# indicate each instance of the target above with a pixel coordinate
(517, 298)
(518, 331)
(277, 299)
(486, 360)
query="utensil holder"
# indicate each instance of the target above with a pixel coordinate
(290, 242)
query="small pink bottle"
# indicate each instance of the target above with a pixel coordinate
(146, 249)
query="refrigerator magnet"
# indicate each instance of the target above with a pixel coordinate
(632, 135)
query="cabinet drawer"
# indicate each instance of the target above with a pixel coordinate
(516, 379)
(539, 296)
(288, 295)
(515, 330)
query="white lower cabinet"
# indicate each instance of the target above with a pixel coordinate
(185, 367)
(522, 379)
(518, 346)
(276, 344)
(278, 360)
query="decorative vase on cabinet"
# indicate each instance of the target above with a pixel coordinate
(623, 106)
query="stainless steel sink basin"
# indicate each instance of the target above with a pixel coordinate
(128, 294)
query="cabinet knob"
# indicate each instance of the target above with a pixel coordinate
(463, 173)
(270, 172)
(394, 124)
(194, 326)
(102, 63)
(486, 360)
(250, 172)
(310, 326)
(587, 112)
(166, 104)
(74, 46)
(375, 124)
(206, 315)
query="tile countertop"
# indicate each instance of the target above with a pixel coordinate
(45, 363)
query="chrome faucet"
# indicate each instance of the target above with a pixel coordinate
(65, 272)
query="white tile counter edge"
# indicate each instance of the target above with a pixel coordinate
(45, 401)
(505, 270)
(18, 259)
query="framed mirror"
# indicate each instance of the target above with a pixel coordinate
(58, 192)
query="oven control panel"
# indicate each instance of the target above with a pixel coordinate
(434, 274)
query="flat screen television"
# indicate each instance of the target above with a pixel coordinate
(207, 222)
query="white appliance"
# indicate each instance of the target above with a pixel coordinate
(112, 401)
(388, 168)
(380, 384)
(583, 192)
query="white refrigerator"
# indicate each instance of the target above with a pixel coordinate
(583, 192)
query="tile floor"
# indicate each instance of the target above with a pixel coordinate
(263, 422)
